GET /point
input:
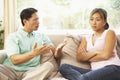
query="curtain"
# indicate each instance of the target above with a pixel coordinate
(9, 16)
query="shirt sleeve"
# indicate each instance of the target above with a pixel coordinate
(11, 45)
(46, 39)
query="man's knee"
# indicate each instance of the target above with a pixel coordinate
(49, 65)
(3, 77)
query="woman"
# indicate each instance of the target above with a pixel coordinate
(99, 49)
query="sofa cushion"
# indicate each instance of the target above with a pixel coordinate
(70, 50)
(56, 38)
(73, 42)
(118, 45)
(50, 57)
(2, 55)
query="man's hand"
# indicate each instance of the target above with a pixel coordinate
(41, 50)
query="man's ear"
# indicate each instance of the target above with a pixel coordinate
(24, 21)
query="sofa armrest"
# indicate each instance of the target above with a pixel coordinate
(2, 55)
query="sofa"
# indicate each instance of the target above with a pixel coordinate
(69, 52)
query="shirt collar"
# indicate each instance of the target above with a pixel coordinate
(24, 33)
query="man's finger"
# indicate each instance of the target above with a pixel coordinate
(35, 45)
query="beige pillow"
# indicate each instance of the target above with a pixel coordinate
(73, 42)
(118, 45)
(50, 57)
(69, 52)
(2, 56)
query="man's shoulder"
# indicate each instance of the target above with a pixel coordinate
(38, 34)
(12, 34)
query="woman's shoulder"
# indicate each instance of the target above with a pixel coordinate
(111, 32)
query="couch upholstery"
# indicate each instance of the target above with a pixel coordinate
(69, 51)
(2, 56)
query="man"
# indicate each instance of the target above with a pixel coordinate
(24, 48)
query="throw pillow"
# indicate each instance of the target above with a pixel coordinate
(50, 57)
(118, 45)
(2, 56)
(69, 52)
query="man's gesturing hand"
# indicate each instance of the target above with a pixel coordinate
(40, 50)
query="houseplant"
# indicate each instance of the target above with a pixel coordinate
(1, 35)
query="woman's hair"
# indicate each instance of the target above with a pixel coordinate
(27, 13)
(103, 15)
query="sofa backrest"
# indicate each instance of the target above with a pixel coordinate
(56, 38)
(118, 45)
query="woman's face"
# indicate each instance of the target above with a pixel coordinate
(97, 22)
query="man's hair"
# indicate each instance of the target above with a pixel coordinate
(26, 14)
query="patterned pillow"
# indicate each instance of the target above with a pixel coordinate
(50, 57)
(70, 50)
(118, 45)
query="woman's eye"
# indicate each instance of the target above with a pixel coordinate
(97, 19)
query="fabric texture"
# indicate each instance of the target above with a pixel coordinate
(7, 73)
(76, 73)
(59, 78)
(41, 72)
(70, 50)
(118, 45)
(49, 57)
(2, 56)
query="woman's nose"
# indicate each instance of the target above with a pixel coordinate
(94, 22)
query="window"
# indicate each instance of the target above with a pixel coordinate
(1, 26)
(71, 14)
(1, 15)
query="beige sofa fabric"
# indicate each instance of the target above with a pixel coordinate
(2, 55)
(69, 52)
(56, 38)
(50, 57)
(118, 45)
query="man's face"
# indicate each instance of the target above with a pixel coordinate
(32, 23)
